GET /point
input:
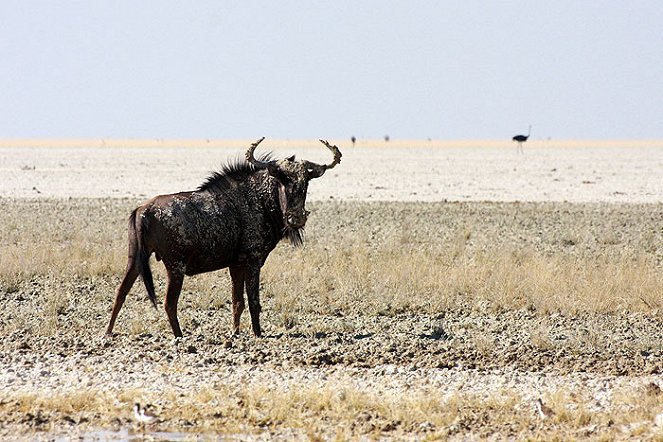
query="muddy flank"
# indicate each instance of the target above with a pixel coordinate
(336, 360)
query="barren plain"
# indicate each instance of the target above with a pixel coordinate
(444, 287)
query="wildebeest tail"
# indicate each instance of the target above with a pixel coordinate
(141, 257)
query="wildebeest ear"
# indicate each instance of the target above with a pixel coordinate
(315, 171)
(291, 158)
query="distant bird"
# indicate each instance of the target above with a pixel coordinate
(143, 416)
(522, 138)
(543, 410)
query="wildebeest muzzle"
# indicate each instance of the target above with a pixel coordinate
(296, 218)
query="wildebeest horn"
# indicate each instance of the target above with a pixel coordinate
(335, 151)
(317, 169)
(270, 165)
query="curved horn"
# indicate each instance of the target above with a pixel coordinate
(335, 151)
(251, 159)
(316, 169)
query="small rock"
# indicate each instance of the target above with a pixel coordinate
(425, 427)
(658, 420)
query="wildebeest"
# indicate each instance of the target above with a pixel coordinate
(234, 219)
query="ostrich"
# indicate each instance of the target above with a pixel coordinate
(522, 138)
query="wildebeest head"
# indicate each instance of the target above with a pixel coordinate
(293, 177)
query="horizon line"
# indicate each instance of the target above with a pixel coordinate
(233, 142)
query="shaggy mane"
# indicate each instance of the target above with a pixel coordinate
(234, 171)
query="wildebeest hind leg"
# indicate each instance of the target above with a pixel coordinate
(237, 273)
(175, 279)
(122, 291)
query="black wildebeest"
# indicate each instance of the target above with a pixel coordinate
(234, 219)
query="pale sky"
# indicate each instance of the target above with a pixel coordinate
(309, 69)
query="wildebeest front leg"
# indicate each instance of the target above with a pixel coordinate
(253, 295)
(238, 274)
(175, 279)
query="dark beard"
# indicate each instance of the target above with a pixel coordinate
(295, 236)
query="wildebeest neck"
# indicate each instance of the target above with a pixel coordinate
(279, 212)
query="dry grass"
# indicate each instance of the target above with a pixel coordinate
(378, 265)
(374, 259)
(395, 279)
(59, 238)
(326, 411)
(371, 259)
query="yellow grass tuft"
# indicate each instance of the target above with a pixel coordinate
(393, 279)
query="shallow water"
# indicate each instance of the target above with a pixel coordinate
(132, 435)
